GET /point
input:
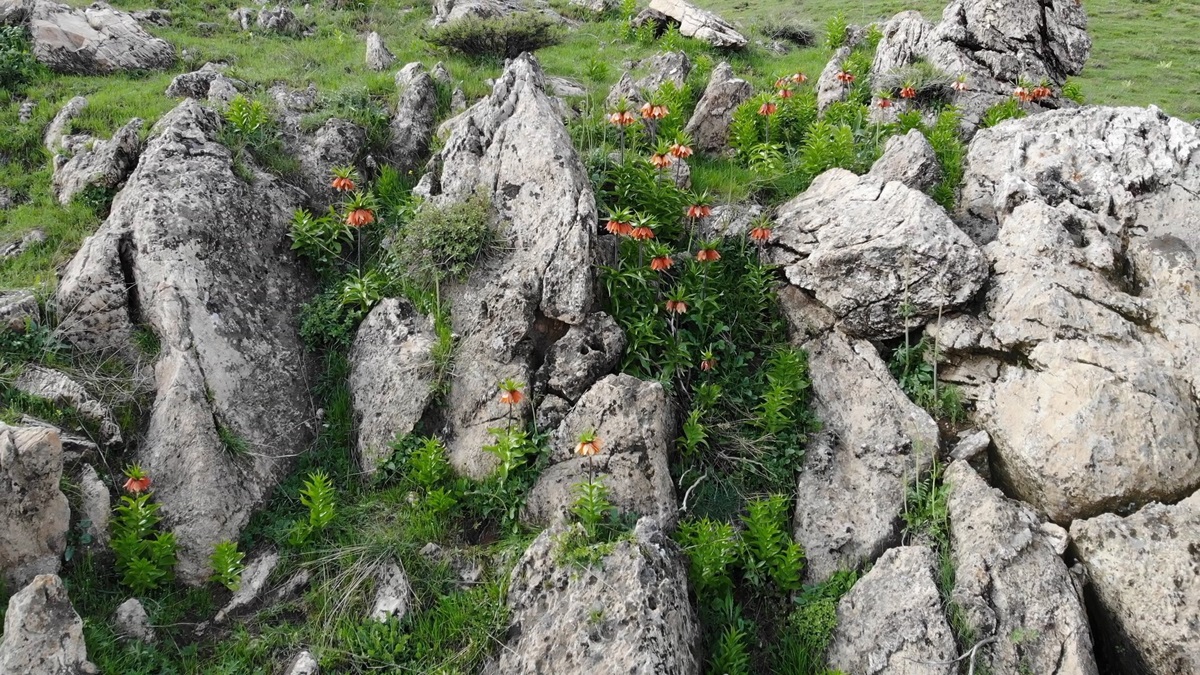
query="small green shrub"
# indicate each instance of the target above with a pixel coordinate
(321, 239)
(318, 495)
(226, 561)
(768, 553)
(35, 344)
(798, 34)
(513, 447)
(912, 366)
(248, 121)
(1010, 109)
(498, 38)
(234, 444)
(712, 548)
(17, 63)
(325, 323)
(1073, 92)
(360, 292)
(731, 656)
(591, 507)
(805, 637)
(444, 242)
(946, 139)
(145, 558)
(836, 31)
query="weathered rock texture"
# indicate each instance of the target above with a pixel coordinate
(202, 258)
(202, 84)
(672, 67)
(908, 159)
(60, 127)
(391, 377)
(102, 164)
(95, 40)
(709, 126)
(64, 392)
(132, 623)
(338, 143)
(868, 250)
(1144, 573)
(700, 24)
(42, 633)
(446, 11)
(17, 309)
(378, 56)
(874, 443)
(628, 615)
(1082, 347)
(412, 127)
(891, 621)
(513, 148)
(589, 351)
(635, 423)
(1011, 582)
(34, 515)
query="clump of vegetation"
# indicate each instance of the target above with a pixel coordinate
(145, 556)
(249, 129)
(226, 561)
(501, 38)
(17, 63)
(800, 35)
(444, 242)
(913, 366)
(318, 496)
(1009, 109)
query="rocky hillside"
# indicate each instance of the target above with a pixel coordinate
(498, 336)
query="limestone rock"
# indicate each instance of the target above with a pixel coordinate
(202, 258)
(60, 126)
(908, 159)
(105, 165)
(867, 249)
(42, 633)
(551, 411)
(412, 127)
(513, 148)
(336, 144)
(243, 17)
(629, 615)
(874, 443)
(635, 423)
(34, 515)
(64, 392)
(96, 502)
(700, 24)
(391, 377)
(393, 594)
(891, 621)
(589, 351)
(709, 125)
(672, 67)
(154, 17)
(95, 40)
(378, 56)
(446, 11)
(304, 664)
(197, 84)
(280, 20)
(1143, 572)
(1010, 582)
(131, 622)
(730, 220)
(597, 6)
(17, 308)
(829, 89)
(254, 582)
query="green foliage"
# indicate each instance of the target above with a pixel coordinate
(444, 242)
(17, 63)
(226, 561)
(1009, 109)
(249, 129)
(145, 558)
(926, 512)
(591, 507)
(768, 552)
(498, 38)
(147, 341)
(799, 34)
(318, 495)
(731, 656)
(809, 627)
(234, 444)
(712, 548)
(1073, 92)
(34, 344)
(325, 323)
(946, 139)
(321, 239)
(513, 447)
(912, 366)
(360, 292)
(836, 31)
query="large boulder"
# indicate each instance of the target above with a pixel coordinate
(42, 633)
(101, 164)
(1144, 574)
(700, 23)
(447, 11)
(908, 159)
(64, 392)
(1092, 308)
(95, 40)
(34, 515)
(1010, 581)
(512, 148)
(202, 258)
(709, 126)
(658, 70)
(635, 423)
(60, 127)
(338, 143)
(203, 84)
(628, 615)
(391, 377)
(891, 621)
(412, 127)
(882, 256)
(873, 445)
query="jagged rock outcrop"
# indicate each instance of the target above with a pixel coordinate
(337, 143)
(891, 621)
(102, 164)
(95, 504)
(17, 309)
(208, 83)
(412, 127)
(660, 69)
(34, 515)
(1143, 572)
(95, 40)
(202, 258)
(709, 125)
(280, 20)
(908, 159)
(391, 377)
(635, 423)
(1010, 581)
(446, 11)
(253, 583)
(882, 256)
(60, 127)
(27, 241)
(873, 444)
(628, 615)
(1077, 359)
(42, 633)
(378, 56)
(700, 24)
(64, 392)
(513, 148)
(590, 350)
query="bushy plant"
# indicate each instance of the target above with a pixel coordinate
(769, 553)
(800, 35)
(144, 556)
(836, 31)
(227, 565)
(731, 655)
(806, 635)
(321, 239)
(591, 507)
(35, 343)
(712, 548)
(1009, 109)
(912, 366)
(499, 38)
(318, 496)
(444, 242)
(17, 63)
(946, 139)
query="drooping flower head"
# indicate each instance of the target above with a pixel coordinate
(344, 178)
(136, 480)
(661, 259)
(677, 302)
(621, 116)
(619, 223)
(760, 232)
(708, 360)
(799, 78)
(360, 209)
(909, 90)
(708, 252)
(510, 392)
(785, 93)
(767, 109)
(654, 111)
(846, 77)
(589, 444)
(699, 208)
(643, 229)
(960, 84)
(681, 148)
(885, 100)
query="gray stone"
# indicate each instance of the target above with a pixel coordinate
(597, 6)
(446, 11)
(673, 67)
(154, 17)
(304, 664)
(709, 125)
(96, 503)
(60, 126)
(254, 582)
(393, 593)
(871, 250)
(830, 90)
(132, 623)
(243, 17)
(908, 159)
(891, 621)
(412, 127)
(64, 392)
(972, 446)
(378, 56)
(730, 220)
(280, 20)
(95, 40)
(551, 411)
(391, 377)
(700, 24)
(200, 256)
(635, 424)
(513, 148)
(589, 351)
(873, 445)
(1144, 574)
(197, 84)
(338, 143)
(106, 164)
(441, 74)
(42, 633)
(18, 308)
(1010, 582)
(628, 615)
(34, 515)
